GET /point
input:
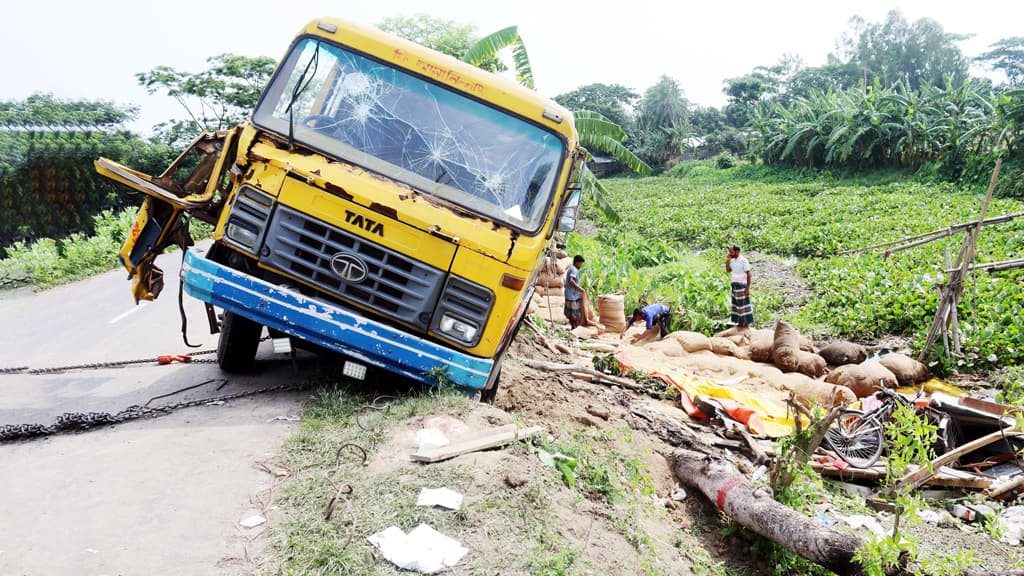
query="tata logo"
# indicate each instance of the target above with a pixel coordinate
(357, 220)
(349, 267)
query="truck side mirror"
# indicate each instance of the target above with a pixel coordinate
(567, 215)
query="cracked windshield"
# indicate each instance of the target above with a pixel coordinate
(433, 139)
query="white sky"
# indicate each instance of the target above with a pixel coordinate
(93, 49)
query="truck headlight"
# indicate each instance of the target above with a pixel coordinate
(458, 329)
(249, 214)
(242, 234)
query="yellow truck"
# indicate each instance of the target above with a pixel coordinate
(384, 201)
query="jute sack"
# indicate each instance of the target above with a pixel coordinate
(811, 391)
(761, 344)
(610, 309)
(906, 370)
(806, 343)
(841, 353)
(739, 336)
(810, 364)
(723, 347)
(691, 341)
(668, 347)
(551, 281)
(589, 318)
(785, 347)
(864, 379)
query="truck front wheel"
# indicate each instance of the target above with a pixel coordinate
(239, 339)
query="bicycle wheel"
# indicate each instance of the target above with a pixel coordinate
(857, 439)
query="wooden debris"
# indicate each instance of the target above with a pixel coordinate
(576, 368)
(491, 439)
(918, 477)
(1006, 489)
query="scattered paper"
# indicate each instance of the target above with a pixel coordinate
(424, 550)
(442, 497)
(930, 516)
(1012, 523)
(252, 521)
(430, 439)
(861, 521)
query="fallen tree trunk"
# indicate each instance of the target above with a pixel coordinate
(755, 509)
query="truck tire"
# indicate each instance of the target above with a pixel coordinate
(488, 394)
(239, 339)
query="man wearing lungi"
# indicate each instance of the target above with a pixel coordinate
(738, 268)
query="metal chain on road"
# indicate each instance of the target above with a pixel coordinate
(186, 358)
(102, 365)
(79, 421)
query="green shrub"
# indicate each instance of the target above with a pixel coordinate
(725, 160)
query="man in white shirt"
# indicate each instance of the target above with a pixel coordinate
(738, 268)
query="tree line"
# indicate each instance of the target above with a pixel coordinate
(894, 94)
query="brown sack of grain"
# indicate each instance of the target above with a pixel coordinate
(785, 347)
(906, 370)
(610, 309)
(864, 379)
(806, 343)
(842, 353)
(761, 344)
(810, 364)
(723, 347)
(877, 373)
(739, 336)
(691, 341)
(589, 318)
(814, 391)
(667, 346)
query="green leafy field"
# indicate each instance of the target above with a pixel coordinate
(671, 242)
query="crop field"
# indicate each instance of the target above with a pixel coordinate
(670, 245)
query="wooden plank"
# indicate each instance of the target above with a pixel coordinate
(918, 477)
(491, 439)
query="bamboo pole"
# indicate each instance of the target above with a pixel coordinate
(940, 233)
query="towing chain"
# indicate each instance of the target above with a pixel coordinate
(113, 364)
(79, 421)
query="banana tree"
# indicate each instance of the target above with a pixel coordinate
(596, 131)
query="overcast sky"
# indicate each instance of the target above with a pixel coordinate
(93, 49)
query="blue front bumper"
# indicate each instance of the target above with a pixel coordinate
(329, 326)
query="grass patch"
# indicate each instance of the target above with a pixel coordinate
(670, 243)
(507, 530)
(46, 262)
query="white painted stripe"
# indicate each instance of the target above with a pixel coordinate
(121, 316)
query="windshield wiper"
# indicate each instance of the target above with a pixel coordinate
(300, 87)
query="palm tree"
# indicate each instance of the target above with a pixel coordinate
(596, 131)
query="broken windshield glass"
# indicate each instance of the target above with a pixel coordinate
(415, 131)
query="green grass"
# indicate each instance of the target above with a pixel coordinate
(304, 543)
(46, 263)
(674, 230)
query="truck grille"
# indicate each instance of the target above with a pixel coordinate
(395, 285)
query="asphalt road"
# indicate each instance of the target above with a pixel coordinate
(96, 320)
(151, 496)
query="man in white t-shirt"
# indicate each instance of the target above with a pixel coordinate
(738, 268)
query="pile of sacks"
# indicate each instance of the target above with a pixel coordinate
(839, 369)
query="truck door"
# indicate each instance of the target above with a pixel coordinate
(196, 184)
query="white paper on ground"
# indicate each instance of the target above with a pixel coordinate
(424, 550)
(858, 521)
(429, 439)
(252, 521)
(442, 497)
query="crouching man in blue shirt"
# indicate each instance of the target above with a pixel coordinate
(656, 317)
